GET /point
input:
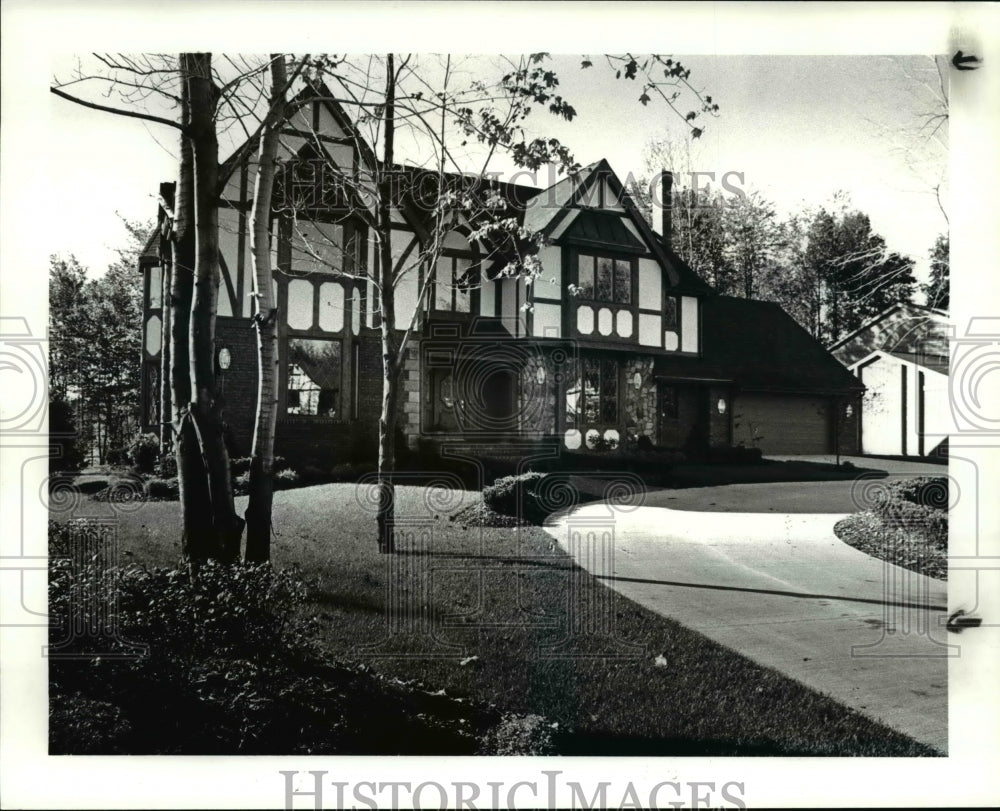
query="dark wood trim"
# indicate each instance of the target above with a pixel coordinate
(323, 138)
(235, 205)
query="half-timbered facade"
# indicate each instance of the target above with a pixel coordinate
(615, 339)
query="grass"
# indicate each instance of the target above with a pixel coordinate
(501, 618)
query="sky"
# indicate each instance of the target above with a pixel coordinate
(796, 128)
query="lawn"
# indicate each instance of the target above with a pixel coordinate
(501, 618)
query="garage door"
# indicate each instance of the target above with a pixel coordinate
(781, 423)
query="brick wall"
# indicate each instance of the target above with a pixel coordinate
(718, 423)
(301, 439)
(849, 428)
(238, 384)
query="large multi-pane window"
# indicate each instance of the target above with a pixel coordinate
(592, 396)
(602, 278)
(314, 377)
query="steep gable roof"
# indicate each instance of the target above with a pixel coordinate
(760, 347)
(550, 210)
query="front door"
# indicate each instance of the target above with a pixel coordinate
(667, 396)
(682, 412)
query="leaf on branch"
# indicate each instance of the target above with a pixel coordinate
(586, 63)
(644, 98)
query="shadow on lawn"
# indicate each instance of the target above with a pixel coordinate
(775, 592)
(541, 561)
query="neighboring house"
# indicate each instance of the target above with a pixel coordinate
(617, 339)
(901, 357)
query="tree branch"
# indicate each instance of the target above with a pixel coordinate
(116, 111)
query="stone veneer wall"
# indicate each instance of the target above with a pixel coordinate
(409, 395)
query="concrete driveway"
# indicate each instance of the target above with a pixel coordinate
(782, 590)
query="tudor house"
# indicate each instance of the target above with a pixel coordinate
(616, 344)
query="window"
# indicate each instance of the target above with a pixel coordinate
(602, 278)
(155, 287)
(452, 284)
(314, 377)
(318, 247)
(592, 397)
(153, 393)
(670, 310)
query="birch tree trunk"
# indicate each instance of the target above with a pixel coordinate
(390, 361)
(166, 295)
(261, 490)
(225, 527)
(191, 479)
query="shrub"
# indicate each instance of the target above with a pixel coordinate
(519, 735)
(144, 452)
(119, 457)
(243, 611)
(218, 647)
(312, 473)
(516, 495)
(285, 479)
(167, 466)
(929, 491)
(241, 464)
(902, 531)
(163, 489)
(78, 723)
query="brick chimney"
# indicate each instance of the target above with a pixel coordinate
(667, 206)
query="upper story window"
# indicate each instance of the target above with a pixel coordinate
(155, 297)
(604, 279)
(324, 247)
(452, 288)
(453, 280)
(670, 312)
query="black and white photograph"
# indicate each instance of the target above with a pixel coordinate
(459, 405)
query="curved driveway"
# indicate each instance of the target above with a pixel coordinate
(782, 590)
